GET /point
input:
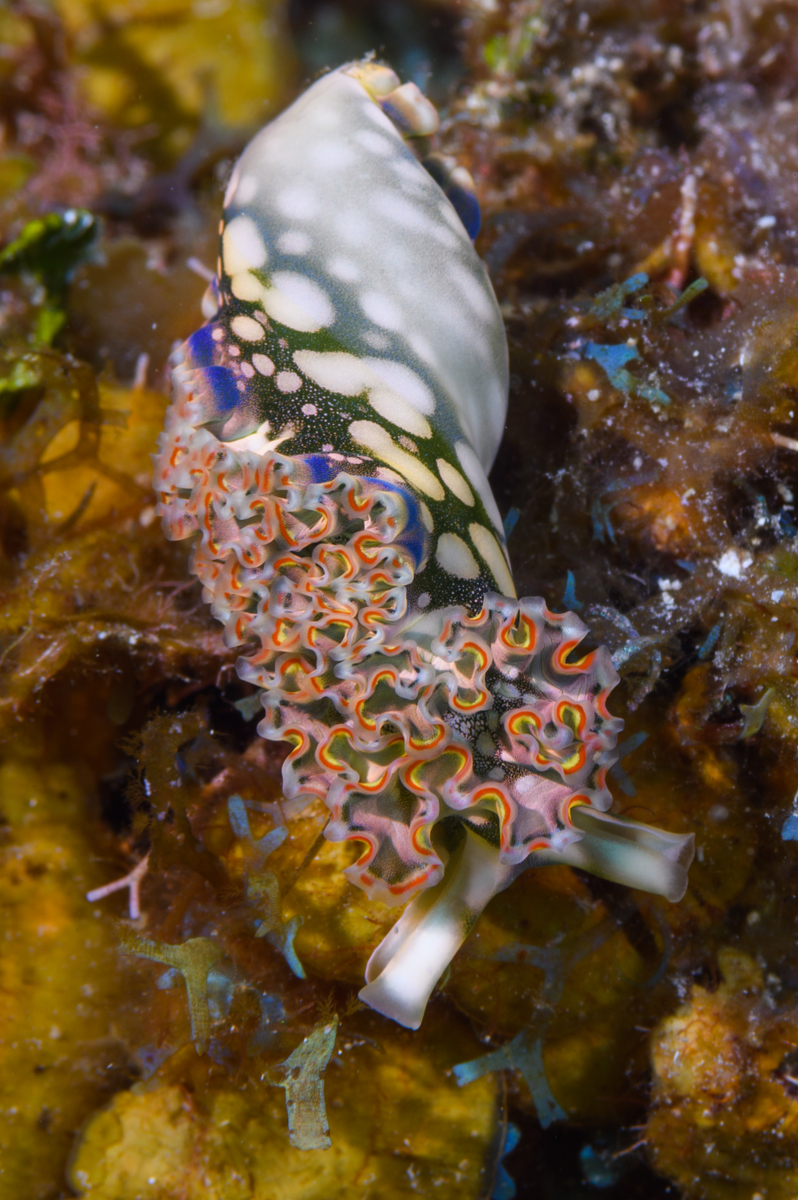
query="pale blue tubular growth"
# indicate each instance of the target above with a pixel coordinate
(332, 426)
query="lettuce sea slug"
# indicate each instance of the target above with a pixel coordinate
(328, 446)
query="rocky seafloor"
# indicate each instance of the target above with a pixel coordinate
(637, 167)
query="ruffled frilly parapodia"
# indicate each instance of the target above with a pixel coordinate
(332, 425)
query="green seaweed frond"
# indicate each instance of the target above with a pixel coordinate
(50, 249)
(302, 1076)
(195, 960)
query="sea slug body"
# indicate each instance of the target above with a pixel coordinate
(332, 426)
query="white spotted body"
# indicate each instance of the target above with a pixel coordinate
(331, 431)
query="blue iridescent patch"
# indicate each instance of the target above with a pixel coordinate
(201, 348)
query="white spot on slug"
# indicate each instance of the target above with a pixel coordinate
(298, 302)
(479, 481)
(474, 295)
(243, 248)
(381, 310)
(374, 340)
(455, 482)
(406, 382)
(395, 409)
(294, 241)
(455, 557)
(370, 140)
(331, 156)
(245, 192)
(378, 440)
(288, 381)
(263, 364)
(344, 269)
(247, 328)
(231, 187)
(492, 553)
(245, 286)
(336, 371)
(297, 202)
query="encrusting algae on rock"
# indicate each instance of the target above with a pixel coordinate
(724, 1119)
(621, 158)
(394, 1116)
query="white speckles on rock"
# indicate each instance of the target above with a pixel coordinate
(454, 556)
(243, 248)
(733, 563)
(247, 328)
(288, 381)
(263, 364)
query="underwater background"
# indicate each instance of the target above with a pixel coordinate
(637, 169)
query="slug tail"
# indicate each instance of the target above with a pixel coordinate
(404, 969)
